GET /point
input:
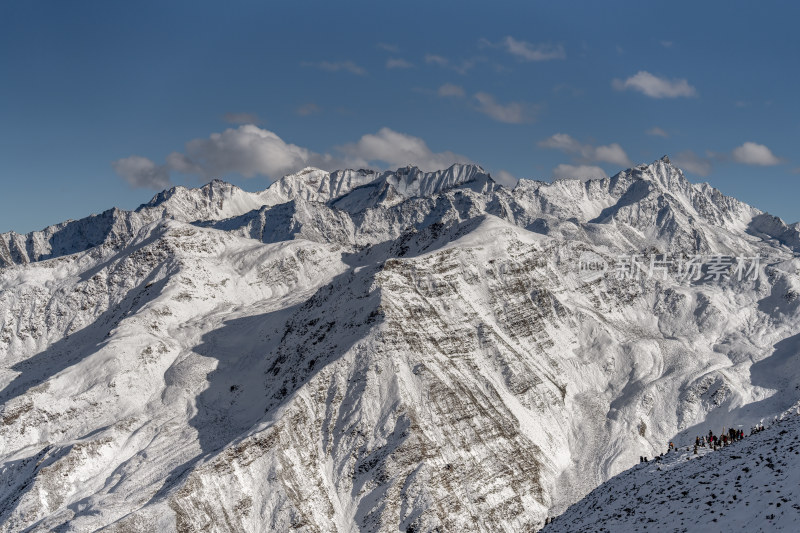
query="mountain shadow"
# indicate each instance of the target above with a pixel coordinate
(80, 345)
(37, 369)
(263, 359)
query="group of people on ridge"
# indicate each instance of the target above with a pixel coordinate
(718, 441)
(714, 441)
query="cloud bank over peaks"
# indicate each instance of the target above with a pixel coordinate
(397, 149)
(503, 177)
(580, 172)
(247, 150)
(252, 151)
(141, 172)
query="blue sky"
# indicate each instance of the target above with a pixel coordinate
(103, 103)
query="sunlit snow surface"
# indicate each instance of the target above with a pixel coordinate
(361, 351)
(750, 485)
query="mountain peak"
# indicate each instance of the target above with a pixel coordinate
(393, 187)
(217, 183)
(412, 181)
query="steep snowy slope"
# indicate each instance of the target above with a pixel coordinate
(355, 351)
(750, 485)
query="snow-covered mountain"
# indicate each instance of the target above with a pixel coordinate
(750, 485)
(407, 351)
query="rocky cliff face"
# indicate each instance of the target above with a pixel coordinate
(358, 351)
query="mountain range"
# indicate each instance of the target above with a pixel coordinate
(382, 351)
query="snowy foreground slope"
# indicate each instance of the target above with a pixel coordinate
(750, 485)
(361, 351)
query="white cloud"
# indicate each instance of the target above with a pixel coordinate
(398, 63)
(751, 153)
(448, 89)
(693, 163)
(504, 177)
(563, 142)
(336, 66)
(252, 151)
(398, 149)
(655, 87)
(141, 172)
(667, 44)
(247, 150)
(511, 113)
(432, 59)
(533, 52)
(308, 109)
(611, 153)
(657, 132)
(581, 172)
(241, 118)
